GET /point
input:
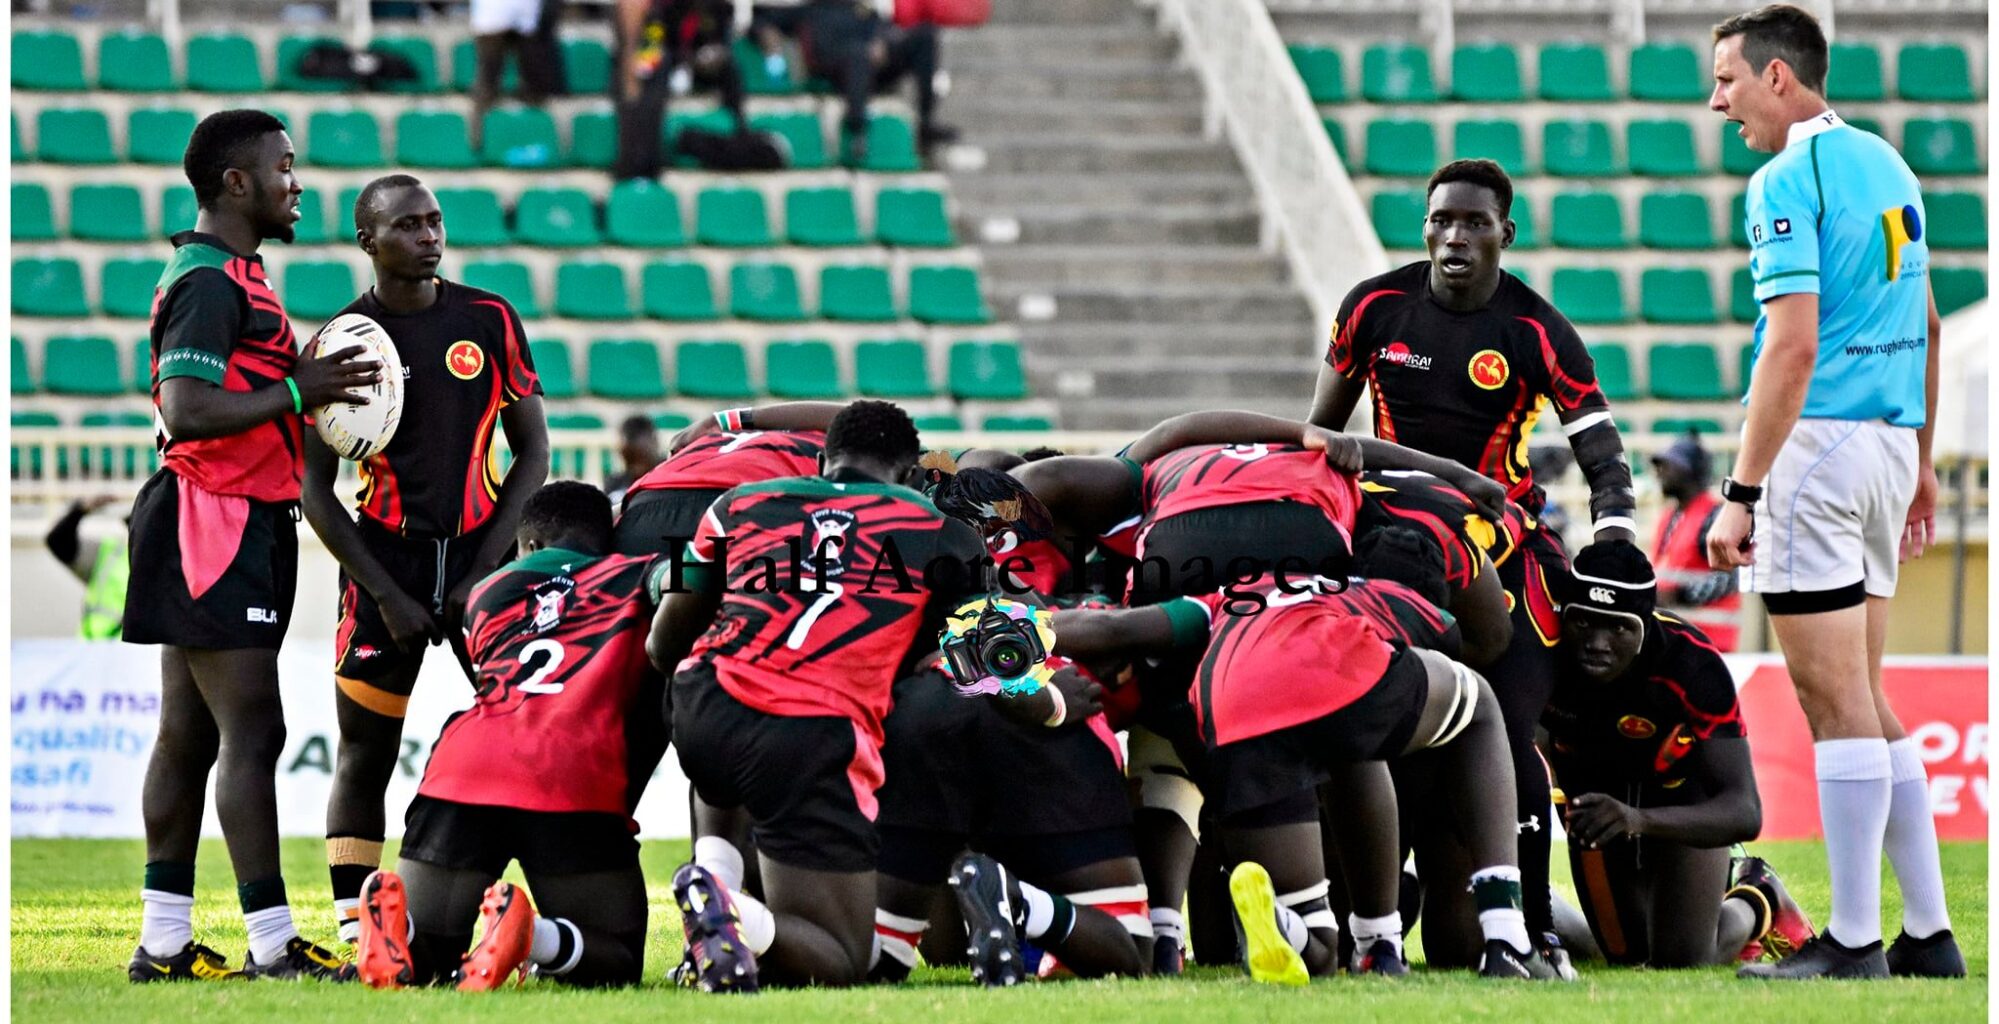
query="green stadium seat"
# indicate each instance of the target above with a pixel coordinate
(712, 369)
(1933, 73)
(1661, 149)
(291, 53)
(1953, 220)
(766, 292)
(74, 135)
(557, 218)
(855, 294)
(33, 418)
(472, 216)
(107, 213)
(987, 370)
(142, 366)
(821, 217)
(422, 57)
(1020, 423)
(81, 366)
(49, 287)
(177, 210)
(317, 289)
(1588, 220)
(677, 291)
(947, 295)
(1675, 220)
(913, 217)
(1401, 148)
(519, 137)
(465, 69)
(1398, 218)
(1685, 372)
(158, 135)
(1322, 71)
(587, 63)
(642, 212)
(1486, 73)
(343, 139)
(1396, 73)
(627, 369)
(1676, 295)
(1589, 295)
(224, 62)
(434, 138)
(1736, 156)
(1337, 134)
(802, 132)
(670, 421)
(47, 62)
(1668, 73)
(1742, 305)
(892, 368)
(507, 279)
(1575, 72)
(731, 217)
(34, 218)
(1867, 124)
(1613, 370)
(133, 61)
(891, 145)
(591, 291)
(1930, 145)
(1526, 232)
(1854, 74)
(1577, 149)
(553, 365)
(802, 369)
(1956, 287)
(1498, 141)
(1738, 220)
(21, 381)
(593, 138)
(758, 79)
(125, 286)
(938, 421)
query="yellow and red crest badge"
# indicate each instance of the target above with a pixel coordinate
(1635, 727)
(465, 359)
(1489, 370)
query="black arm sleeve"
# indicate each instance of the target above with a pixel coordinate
(62, 539)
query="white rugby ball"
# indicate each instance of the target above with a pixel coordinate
(359, 431)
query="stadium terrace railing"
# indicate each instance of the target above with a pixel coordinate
(1310, 207)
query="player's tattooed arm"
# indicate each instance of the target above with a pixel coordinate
(409, 623)
(1231, 426)
(526, 427)
(1732, 813)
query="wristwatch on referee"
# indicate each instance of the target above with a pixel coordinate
(1741, 494)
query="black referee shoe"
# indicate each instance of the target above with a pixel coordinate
(1934, 957)
(987, 900)
(1823, 957)
(195, 962)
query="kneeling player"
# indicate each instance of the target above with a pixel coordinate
(535, 771)
(1647, 743)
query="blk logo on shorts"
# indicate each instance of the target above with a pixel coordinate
(267, 616)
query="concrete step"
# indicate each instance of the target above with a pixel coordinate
(1072, 341)
(1072, 44)
(1008, 114)
(989, 191)
(1197, 379)
(1087, 154)
(1124, 81)
(1162, 304)
(1149, 226)
(1137, 415)
(1068, 12)
(1075, 265)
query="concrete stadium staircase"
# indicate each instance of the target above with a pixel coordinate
(1141, 231)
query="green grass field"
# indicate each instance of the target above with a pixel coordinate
(76, 918)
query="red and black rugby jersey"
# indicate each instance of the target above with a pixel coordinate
(1401, 614)
(1211, 475)
(1638, 728)
(719, 461)
(1279, 660)
(1394, 497)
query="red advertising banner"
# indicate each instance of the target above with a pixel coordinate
(1942, 702)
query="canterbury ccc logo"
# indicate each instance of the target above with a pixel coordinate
(1635, 727)
(1602, 595)
(464, 360)
(1488, 369)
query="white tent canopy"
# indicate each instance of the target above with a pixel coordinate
(1964, 386)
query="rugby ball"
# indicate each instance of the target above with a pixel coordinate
(359, 431)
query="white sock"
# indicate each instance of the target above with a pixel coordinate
(1911, 843)
(166, 924)
(1293, 928)
(1369, 930)
(1168, 923)
(1507, 924)
(348, 913)
(1854, 792)
(546, 950)
(722, 860)
(1040, 911)
(270, 929)
(759, 924)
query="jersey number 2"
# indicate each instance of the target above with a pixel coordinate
(555, 655)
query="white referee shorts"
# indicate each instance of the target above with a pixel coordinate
(490, 17)
(1833, 510)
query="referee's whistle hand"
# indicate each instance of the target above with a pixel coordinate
(1729, 540)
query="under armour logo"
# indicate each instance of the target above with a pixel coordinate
(1532, 824)
(1602, 595)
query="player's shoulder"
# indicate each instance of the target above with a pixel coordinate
(1687, 656)
(460, 296)
(1401, 281)
(1518, 300)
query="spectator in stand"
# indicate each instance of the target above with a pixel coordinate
(527, 30)
(667, 47)
(638, 447)
(101, 566)
(1687, 586)
(854, 45)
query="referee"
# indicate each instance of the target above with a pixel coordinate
(1835, 470)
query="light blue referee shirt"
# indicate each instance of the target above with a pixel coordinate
(1839, 214)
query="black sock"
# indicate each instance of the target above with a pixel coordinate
(347, 879)
(170, 876)
(262, 894)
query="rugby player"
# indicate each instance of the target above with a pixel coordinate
(214, 552)
(436, 515)
(535, 771)
(1462, 358)
(1647, 743)
(780, 689)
